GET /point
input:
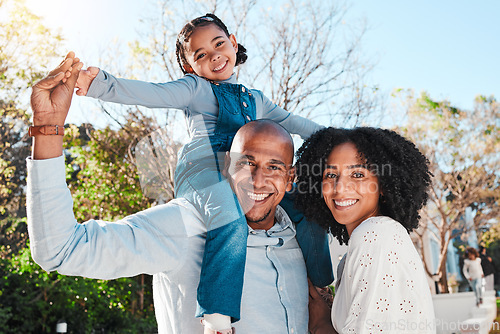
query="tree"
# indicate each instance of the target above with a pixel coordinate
(462, 147)
(304, 57)
(23, 60)
(32, 299)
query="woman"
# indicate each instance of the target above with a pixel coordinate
(373, 184)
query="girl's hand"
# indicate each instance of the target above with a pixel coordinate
(319, 313)
(85, 80)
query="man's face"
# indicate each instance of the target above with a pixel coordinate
(260, 172)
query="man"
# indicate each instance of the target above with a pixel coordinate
(488, 269)
(168, 240)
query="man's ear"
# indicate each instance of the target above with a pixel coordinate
(227, 163)
(291, 179)
(232, 38)
(188, 68)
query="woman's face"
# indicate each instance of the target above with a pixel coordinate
(350, 190)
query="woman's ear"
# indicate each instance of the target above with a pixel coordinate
(232, 38)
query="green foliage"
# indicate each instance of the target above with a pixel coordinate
(462, 147)
(34, 300)
(102, 177)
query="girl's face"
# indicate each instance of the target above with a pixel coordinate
(210, 53)
(350, 190)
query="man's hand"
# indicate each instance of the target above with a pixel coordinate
(85, 80)
(50, 102)
(51, 96)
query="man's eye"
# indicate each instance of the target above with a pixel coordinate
(330, 176)
(358, 175)
(244, 163)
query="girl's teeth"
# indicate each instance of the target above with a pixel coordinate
(220, 67)
(257, 197)
(345, 203)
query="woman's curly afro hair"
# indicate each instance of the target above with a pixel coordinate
(402, 171)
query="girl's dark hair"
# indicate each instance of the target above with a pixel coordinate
(402, 172)
(471, 250)
(190, 27)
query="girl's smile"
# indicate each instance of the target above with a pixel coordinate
(350, 190)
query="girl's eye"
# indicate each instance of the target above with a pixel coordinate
(219, 43)
(201, 55)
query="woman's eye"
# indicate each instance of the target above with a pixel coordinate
(274, 168)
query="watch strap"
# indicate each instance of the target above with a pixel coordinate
(46, 130)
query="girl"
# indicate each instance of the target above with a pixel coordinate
(215, 107)
(474, 273)
(373, 184)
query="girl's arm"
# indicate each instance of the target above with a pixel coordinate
(292, 123)
(174, 94)
(465, 269)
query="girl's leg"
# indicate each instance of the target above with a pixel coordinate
(475, 287)
(222, 269)
(313, 241)
(221, 279)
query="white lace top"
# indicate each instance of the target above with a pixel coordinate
(383, 287)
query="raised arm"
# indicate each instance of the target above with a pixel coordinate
(50, 101)
(176, 94)
(292, 123)
(151, 241)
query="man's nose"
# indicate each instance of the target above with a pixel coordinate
(258, 177)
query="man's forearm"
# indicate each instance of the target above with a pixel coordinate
(47, 147)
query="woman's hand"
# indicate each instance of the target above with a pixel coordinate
(319, 313)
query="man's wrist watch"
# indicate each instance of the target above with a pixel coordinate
(46, 130)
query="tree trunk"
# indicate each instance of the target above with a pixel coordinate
(443, 278)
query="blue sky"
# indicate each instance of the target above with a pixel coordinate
(448, 48)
